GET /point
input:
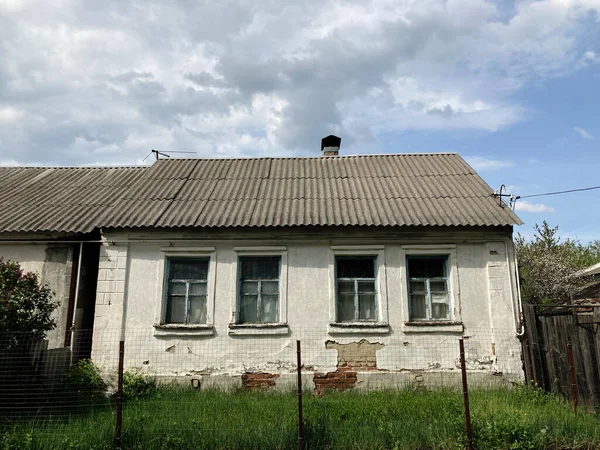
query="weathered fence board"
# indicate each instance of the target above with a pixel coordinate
(548, 330)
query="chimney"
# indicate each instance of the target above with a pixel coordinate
(330, 145)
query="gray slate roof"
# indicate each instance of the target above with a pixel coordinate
(375, 190)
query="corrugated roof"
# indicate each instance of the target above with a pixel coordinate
(374, 190)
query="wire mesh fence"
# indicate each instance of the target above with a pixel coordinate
(245, 389)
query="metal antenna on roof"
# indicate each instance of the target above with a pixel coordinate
(158, 153)
(501, 194)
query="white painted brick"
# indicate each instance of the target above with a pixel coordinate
(496, 296)
(119, 286)
(121, 262)
(496, 272)
(496, 283)
(114, 274)
(100, 300)
(106, 262)
(114, 298)
(102, 311)
(106, 286)
(119, 249)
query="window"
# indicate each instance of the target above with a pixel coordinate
(259, 289)
(428, 288)
(356, 288)
(187, 289)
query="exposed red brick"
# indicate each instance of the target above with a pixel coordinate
(338, 380)
(253, 381)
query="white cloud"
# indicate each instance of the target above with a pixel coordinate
(591, 57)
(525, 206)
(83, 82)
(480, 164)
(583, 133)
(9, 115)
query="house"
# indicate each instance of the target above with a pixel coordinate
(217, 266)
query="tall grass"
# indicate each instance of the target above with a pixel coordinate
(519, 418)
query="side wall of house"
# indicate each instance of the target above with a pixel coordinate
(130, 304)
(54, 264)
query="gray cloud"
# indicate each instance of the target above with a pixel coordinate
(87, 82)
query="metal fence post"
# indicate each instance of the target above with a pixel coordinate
(574, 390)
(463, 368)
(120, 397)
(531, 379)
(300, 420)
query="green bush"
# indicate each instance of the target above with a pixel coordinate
(26, 307)
(83, 385)
(137, 385)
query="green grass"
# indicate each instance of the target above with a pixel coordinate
(515, 419)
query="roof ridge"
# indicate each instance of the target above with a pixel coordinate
(76, 167)
(369, 155)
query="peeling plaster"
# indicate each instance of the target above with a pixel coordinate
(361, 354)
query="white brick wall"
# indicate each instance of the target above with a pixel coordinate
(110, 294)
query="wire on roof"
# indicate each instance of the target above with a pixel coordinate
(558, 192)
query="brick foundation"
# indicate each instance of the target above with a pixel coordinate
(338, 380)
(255, 381)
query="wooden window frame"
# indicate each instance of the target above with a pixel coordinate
(259, 293)
(427, 292)
(356, 318)
(188, 283)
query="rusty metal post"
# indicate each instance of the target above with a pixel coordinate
(463, 369)
(300, 419)
(120, 397)
(573, 375)
(531, 379)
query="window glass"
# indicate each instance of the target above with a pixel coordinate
(190, 269)
(260, 267)
(428, 288)
(355, 267)
(187, 291)
(259, 289)
(427, 267)
(356, 291)
(176, 310)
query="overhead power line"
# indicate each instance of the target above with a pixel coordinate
(557, 192)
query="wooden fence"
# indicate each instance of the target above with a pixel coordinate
(548, 333)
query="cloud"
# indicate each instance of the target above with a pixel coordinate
(583, 133)
(84, 82)
(525, 206)
(590, 57)
(480, 164)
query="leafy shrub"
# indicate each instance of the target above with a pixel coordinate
(26, 306)
(136, 385)
(83, 382)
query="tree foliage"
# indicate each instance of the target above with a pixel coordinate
(26, 306)
(548, 265)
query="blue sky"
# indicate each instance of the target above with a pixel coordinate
(556, 148)
(512, 86)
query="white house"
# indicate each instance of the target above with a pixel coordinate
(213, 268)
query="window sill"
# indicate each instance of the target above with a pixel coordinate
(258, 329)
(433, 326)
(183, 330)
(359, 328)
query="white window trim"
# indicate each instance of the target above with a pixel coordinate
(164, 329)
(454, 324)
(278, 328)
(381, 326)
